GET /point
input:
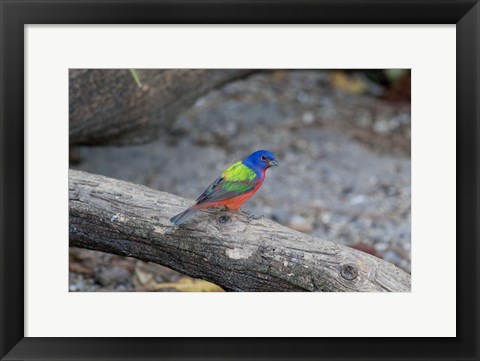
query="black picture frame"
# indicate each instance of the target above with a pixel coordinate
(15, 14)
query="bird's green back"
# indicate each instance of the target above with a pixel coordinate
(239, 172)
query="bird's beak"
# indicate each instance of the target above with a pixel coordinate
(273, 163)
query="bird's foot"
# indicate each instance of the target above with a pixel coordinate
(251, 216)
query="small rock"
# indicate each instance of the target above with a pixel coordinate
(326, 217)
(111, 275)
(381, 127)
(308, 118)
(381, 247)
(301, 224)
(358, 199)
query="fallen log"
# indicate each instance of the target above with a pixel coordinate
(107, 106)
(225, 248)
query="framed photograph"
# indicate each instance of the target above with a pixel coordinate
(239, 180)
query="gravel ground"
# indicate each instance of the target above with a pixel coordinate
(344, 156)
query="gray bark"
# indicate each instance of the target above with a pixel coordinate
(106, 106)
(222, 247)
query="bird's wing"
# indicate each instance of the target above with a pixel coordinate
(236, 180)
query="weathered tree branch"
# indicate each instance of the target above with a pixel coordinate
(123, 218)
(106, 106)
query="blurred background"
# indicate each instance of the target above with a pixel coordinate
(342, 138)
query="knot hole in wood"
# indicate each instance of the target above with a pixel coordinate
(349, 271)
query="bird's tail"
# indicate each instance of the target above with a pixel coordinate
(182, 217)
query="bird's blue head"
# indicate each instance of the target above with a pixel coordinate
(260, 160)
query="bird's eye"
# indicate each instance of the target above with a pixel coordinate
(263, 157)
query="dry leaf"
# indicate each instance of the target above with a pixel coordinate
(186, 284)
(348, 84)
(143, 277)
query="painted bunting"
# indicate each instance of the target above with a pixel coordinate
(234, 186)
